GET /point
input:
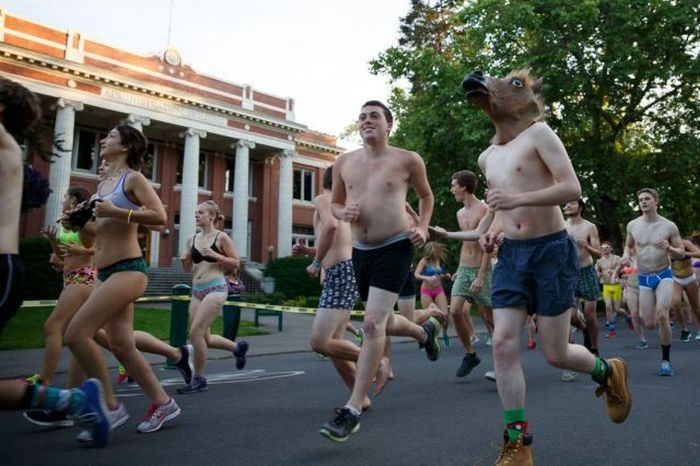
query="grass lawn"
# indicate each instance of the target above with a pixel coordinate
(25, 330)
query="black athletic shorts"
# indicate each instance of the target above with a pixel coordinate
(384, 267)
(11, 287)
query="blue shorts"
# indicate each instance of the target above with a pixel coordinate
(539, 274)
(384, 267)
(652, 280)
(339, 289)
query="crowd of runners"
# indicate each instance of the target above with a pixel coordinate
(530, 263)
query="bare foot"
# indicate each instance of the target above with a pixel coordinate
(383, 376)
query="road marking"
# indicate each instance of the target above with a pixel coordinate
(213, 379)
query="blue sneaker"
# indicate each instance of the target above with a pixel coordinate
(94, 414)
(641, 345)
(666, 369)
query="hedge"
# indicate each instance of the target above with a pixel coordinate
(290, 277)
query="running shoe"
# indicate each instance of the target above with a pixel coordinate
(158, 415)
(568, 376)
(489, 340)
(117, 417)
(94, 413)
(340, 428)
(685, 335)
(431, 344)
(697, 335)
(474, 339)
(239, 354)
(122, 376)
(185, 365)
(611, 334)
(490, 375)
(198, 384)
(531, 344)
(469, 362)
(666, 369)
(641, 345)
(618, 399)
(48, 418)
(518, 452)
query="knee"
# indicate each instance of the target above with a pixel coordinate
(662, 318)
(120, 348)
(504, 347)
(556, 359)
(373, 328)
(319, 344)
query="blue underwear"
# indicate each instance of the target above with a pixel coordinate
(652, 280)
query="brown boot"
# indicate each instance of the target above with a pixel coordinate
(616, 390)
(516, 453)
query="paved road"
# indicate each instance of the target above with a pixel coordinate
(270, 413)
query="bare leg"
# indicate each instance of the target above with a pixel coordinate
(589, 312)
(463, 322)
(71, 298)
(202, 314)
(510, 380)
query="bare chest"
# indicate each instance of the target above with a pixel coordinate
(375, 178)
(514, 167)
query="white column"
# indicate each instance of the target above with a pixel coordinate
(59, 170)
(240, 197)
(137, 121)
(188, 194)
(284, 218)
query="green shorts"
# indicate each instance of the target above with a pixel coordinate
(465, 278)
(127, 265)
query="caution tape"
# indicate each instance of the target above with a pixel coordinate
(147, 299)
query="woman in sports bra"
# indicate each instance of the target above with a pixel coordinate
(74, 252)
(431, 272)
(125, 199)
(684, 282)
(207, 254)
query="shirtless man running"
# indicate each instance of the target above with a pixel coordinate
(369, 192)
(654, 237)
(529, 174)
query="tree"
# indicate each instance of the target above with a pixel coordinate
(621, 83)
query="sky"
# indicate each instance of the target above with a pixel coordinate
(315, 51)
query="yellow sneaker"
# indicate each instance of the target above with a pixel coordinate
(617, 391)
(518, 453)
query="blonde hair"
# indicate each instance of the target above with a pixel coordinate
(434, 251)
(214, 210)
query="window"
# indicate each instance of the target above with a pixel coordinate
(304, 185)
(85, 150)
(150, 163)
(229, 175)
(202, 179)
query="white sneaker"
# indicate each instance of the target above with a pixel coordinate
(158, 415)
(568, 376)
(117, 417)
(490, 375)
(474, 339)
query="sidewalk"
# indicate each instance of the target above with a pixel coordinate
(293, 339)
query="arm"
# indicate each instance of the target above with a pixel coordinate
(346, 213)
(593, 243)
(467, 235)
(690, 249)
(152, 212)
(426, 200)
(629, 245)
(229, 259)
(185, 259)
(329, 225)
(419, 269)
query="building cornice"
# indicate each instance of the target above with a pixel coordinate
(102, 78)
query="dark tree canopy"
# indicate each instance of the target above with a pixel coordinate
(622, 88)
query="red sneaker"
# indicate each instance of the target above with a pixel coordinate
(531, 344)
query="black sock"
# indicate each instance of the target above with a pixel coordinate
(666, 353)
(586, 339)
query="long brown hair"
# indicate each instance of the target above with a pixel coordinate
(136, 144)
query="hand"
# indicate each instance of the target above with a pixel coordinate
(104, 209)
(476, 285)
(185, 256)
(418, 236)
(663, 244)
(438, 231)
(500, 200)
(312, 270)
(583, 243)
(69, 249)
(50, 233)
(488, 242)
(299, 248)
(208, 252)
(351, 212)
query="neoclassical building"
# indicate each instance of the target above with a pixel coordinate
(209, 138)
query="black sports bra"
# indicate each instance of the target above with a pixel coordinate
(197, 256)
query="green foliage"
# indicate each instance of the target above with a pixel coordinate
(42, 281)
(290, 277)
(621, 84)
